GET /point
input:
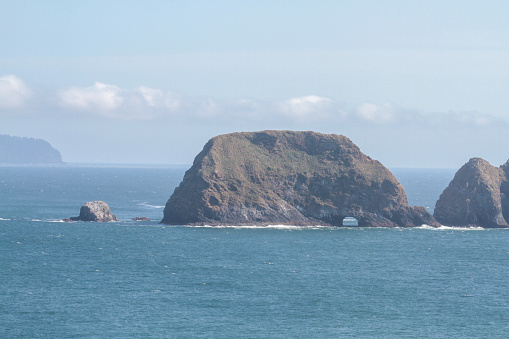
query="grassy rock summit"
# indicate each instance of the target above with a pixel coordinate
(17, 150)
(285, 177)
(477, 196)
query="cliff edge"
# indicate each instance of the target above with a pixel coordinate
(285, 177)
(477, 196)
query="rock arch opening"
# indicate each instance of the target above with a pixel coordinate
(350, 221)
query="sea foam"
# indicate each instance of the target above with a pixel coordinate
(448, 228)
(278, 227)
(144, 204)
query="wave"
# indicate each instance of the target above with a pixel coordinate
(144, 204)
(2, 219)
(278, 227)
(318, 227)
(45, 220)
(448, 228)
(121, 221)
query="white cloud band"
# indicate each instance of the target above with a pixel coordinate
(145, 103)
(14, 93)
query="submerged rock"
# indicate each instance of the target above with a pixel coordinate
(284, 177)
(477, 196)
(141, 219)
(98, 211)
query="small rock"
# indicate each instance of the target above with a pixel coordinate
(141, 219)
(98, 211)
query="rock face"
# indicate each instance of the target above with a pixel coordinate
(95, 211)
(477, 196)
(283, 177)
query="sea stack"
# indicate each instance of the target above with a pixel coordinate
(98, 211)
(287, 177)
(477, 196)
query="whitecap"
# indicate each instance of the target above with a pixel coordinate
(278, 227)
(448, 228)
(2, 219)
(145, 204)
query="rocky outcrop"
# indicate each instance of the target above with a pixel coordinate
(95, 211)
(477, 196)
(284, 177)
(141, 219)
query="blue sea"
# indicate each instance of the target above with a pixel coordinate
(132, 279)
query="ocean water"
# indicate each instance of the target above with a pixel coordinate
(146, 280)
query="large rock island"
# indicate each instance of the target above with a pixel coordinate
(284, 177)
(18, 150)
(477, 196)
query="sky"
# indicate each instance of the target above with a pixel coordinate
(412, 83)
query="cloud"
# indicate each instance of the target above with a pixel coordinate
(100, 97)
(390, 114)
(475, 119)
(145, 103)
(376, 114)
(149, 103)
(306, 107)
(14, 93)
(157, 99)
(110, 101)
(153, 97)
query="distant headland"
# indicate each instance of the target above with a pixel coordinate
(27, 151)
(288, 177)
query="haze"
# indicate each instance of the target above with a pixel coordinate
(414, 84)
